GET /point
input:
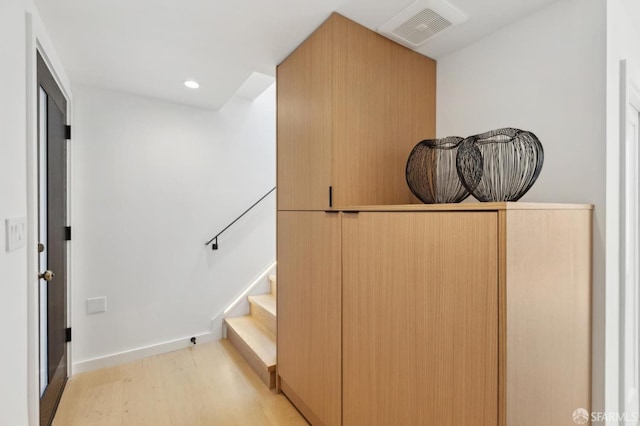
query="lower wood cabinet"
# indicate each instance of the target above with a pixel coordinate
(473, 314)
(309, 313)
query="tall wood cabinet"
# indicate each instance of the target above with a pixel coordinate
(351, 106)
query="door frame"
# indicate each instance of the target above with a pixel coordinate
(38, 41)
(629, 99)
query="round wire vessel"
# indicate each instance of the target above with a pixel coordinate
(500, 165)
(431, 171)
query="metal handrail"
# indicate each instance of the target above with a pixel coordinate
(214, 240)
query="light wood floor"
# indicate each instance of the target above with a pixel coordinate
(208, 384)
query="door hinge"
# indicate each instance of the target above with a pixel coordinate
(67, 131)
(67, 233)
(68, 334)
(331, 196)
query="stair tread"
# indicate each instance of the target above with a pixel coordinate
(267, 301)
(257, 337)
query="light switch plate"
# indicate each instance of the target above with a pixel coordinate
(15, 233)
(96, 305)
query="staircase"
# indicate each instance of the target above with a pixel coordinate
(254, 335)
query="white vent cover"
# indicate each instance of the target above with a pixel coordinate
(421, 21)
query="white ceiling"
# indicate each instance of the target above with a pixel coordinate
(150, 47)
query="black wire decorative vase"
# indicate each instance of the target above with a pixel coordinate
(500, 165)
(431, 171)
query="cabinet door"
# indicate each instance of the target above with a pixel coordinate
(309, 313)
(304, 124)
(384, 104)
(420, 318)
(351, 106)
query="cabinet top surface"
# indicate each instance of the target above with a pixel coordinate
(477, 206)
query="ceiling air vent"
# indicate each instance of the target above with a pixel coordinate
(422, 21)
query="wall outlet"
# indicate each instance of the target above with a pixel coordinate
(15, 233)
(96, 305)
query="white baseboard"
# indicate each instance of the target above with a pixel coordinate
(238, 307)
(139, 353)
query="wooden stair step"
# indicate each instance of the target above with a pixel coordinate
(263, 308)
(256, 344)
(266, 301)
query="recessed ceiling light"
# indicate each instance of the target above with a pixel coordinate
(191, 84)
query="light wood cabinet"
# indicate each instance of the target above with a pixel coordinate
(475, 313)
(351, 106)
(466, 314)
(310, 313)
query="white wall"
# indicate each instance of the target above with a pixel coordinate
(13, 203)
(623, 42)
(544, 73)
(21, 31)
(152, 182)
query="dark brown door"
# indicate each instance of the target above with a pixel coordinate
(52, 211)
